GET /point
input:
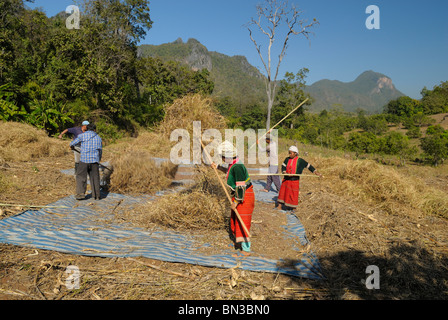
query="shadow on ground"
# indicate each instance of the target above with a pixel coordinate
(406, 272)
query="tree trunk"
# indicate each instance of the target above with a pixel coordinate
(268, 120)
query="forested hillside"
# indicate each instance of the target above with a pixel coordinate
(370, 91)
(233, 76)
(52, 76)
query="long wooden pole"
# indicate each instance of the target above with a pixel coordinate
(227, 192)
(29, 206)
(284, 174)
(280, 121)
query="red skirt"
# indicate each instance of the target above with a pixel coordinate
(245, 209)
(289, 193)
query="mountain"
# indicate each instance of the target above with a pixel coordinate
(234, 76)
(370, 91)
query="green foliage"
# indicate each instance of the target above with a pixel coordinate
(163, 82)
(436, 100)
(49, 115)
(59, 76)
(403, 107)
(234, 78)
(289, 95)
(414, 132)
(226, 106)
(394, 143)
(376, 124)
(435, 144)
(109, 132)
(365, 142)
(254, 118)
(8, 110)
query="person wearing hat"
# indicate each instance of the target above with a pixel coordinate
(271, 150)
(76, 131)
(243, 197)
(91, 154)
(289, 192)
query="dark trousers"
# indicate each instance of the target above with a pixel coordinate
(91, 169)
(273, 179)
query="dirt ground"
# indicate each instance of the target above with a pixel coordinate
(346, 234)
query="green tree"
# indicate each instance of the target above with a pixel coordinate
(163, 82)
(404, 107)
(377, 124)
(253, 118)
(436, 100)
(435, 147)
(365, 142)
(414, 132)
(290, 94)
(394, 143)
(9, 111)
(50, 115)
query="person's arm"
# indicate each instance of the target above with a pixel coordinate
(284, 164)
(313, 170)
(219, 167)
(62, 133)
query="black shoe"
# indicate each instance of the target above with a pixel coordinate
(80, 197)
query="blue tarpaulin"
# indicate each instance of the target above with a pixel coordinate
(89, 228)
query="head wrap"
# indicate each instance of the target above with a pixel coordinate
(85, 123)
(294, 149)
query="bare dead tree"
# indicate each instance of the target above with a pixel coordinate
(270, 16)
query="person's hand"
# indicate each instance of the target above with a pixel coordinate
(213, 165)
(317, 173)
(233, 205)
(60, 136)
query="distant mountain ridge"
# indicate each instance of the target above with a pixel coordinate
(370, 91)
(236, 78)
(233, 76)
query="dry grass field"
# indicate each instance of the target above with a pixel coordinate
(361, 213)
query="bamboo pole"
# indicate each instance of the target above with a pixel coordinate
(29, 206)
(284, 174)
(226, 191)
(280, 122)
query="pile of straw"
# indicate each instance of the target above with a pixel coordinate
(179, 115)
(183, 111)
(135, 172)
(202, 206)
(22, 142)
(385, 187)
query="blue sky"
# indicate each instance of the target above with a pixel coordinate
(411, 46)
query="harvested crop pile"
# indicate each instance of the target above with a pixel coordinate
(188, 211)
(179, 115)
(182, 113)
(135, 172)
(22, 142)
(202, 206)
(385, 187)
